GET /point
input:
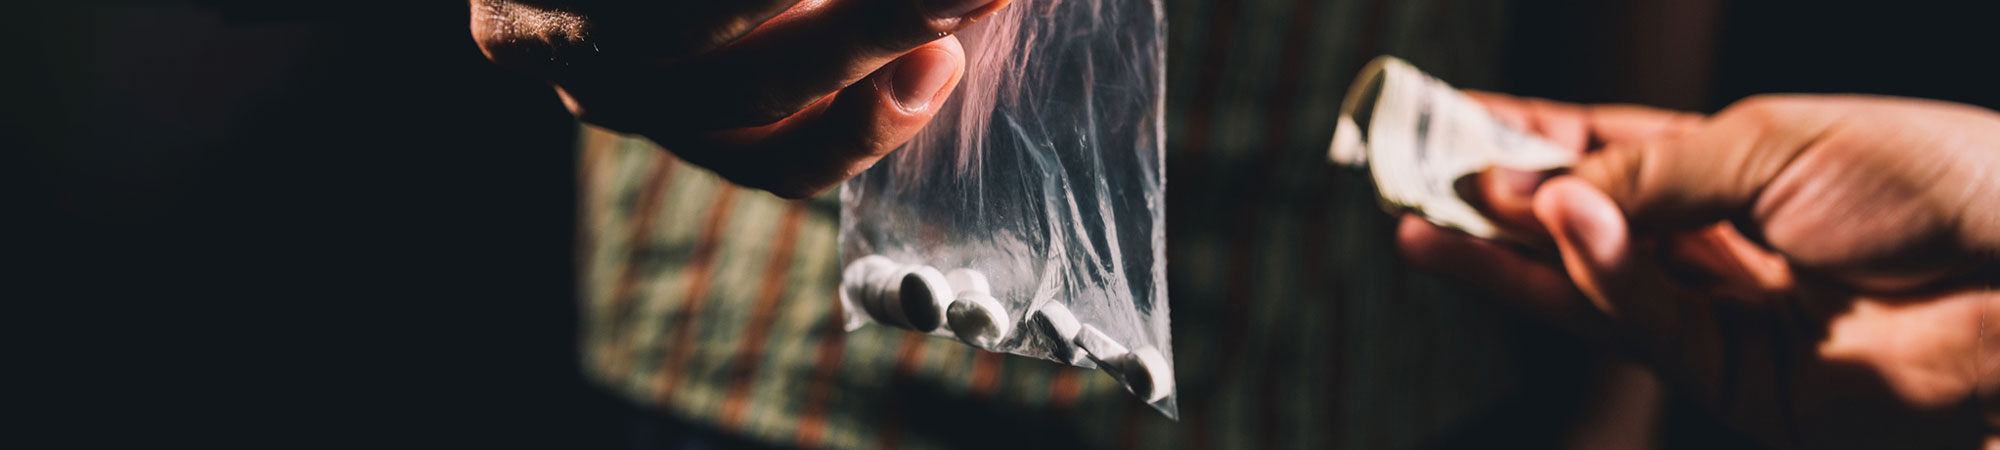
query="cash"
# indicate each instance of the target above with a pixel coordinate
(1419, 137)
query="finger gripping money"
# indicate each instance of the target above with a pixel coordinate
(1419, 137)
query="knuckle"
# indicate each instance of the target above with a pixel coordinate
(1612, 170)
(527, 36)
(1762, 107)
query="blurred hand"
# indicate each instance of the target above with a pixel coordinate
(1854, 312)
(782, 95)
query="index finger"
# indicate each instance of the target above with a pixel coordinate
(1562, 122)
(1626, 123)
(1507, 196)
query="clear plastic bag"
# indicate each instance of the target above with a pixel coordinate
(1028, 217)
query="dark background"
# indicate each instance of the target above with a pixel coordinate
(1650, 52)
(317, 224)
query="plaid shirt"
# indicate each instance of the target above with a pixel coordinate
(1294, 323)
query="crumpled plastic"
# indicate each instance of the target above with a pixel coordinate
(1044, 175)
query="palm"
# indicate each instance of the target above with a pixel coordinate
(1806, 365)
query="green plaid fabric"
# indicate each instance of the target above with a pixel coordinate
(1294, 323)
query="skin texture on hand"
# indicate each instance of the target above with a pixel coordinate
(1887, 193)
(787, 96)
(1852, 315)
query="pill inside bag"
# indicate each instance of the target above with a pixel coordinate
(1043, 174)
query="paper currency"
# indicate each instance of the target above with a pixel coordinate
(1420, 137)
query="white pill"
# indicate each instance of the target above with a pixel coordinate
(1144, 371)
(1146, 374)
(1099, 346)
(978, 319)
(855, 280)
(1061, 327)
(878, 285)
(875, 287)
(968, 280)
(920, 298)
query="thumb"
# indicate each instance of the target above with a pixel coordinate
(1710, 173)
(1615, 272)
(1663, 320)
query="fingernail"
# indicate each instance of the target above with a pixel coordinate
(919, 76)
(949, 9)
(1591, 222)
(1521, 184)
